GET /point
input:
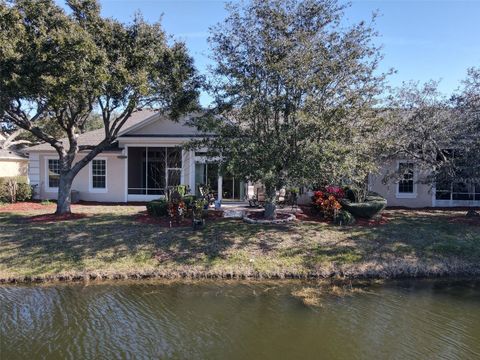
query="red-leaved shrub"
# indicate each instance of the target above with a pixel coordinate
(326, 200)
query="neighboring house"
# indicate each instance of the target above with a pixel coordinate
(13, 163)
(413, 192)
(148, 157)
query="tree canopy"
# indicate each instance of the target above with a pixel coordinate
(440, 134)
(294, 91)
(61, 67)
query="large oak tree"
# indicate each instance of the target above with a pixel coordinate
(62, 67)
(294, 90)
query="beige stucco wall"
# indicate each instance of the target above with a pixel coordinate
(116, 178)
(13, 167)
(422, 196)
(116, 186)
(116, 167)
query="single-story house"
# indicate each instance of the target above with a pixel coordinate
(148, 157)
(13, 163)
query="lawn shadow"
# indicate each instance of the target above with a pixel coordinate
(66, 245)
(185, 246)
(118, 240)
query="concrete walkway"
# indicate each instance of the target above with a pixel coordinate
(236, 210)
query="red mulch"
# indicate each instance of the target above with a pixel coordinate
(49, 218)
(25, 206)
(144, 218)
(382, 220)
(306, 213)
(37, 205)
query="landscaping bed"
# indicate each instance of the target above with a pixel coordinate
(164, 221)
(26, 206)
(112, 243)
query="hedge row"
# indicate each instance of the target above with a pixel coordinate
(372, 206)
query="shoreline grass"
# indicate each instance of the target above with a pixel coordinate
(111, 244)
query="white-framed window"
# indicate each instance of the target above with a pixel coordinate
(406, 186)
(98, 175)
(52, 173)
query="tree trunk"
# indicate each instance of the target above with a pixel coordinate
(270, 203)
(270, 210)
(64, 193)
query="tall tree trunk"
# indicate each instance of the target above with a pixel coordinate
(64, 194)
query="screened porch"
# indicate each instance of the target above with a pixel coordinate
(152, 170)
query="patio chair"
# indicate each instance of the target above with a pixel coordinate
(206, 194)
(292, 199)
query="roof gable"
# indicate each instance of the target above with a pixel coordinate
(161, 126)
(11, 155)
(96, 136)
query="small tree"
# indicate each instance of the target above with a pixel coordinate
(419, 125)
(294, 91)
(62, 67)
(441, 134)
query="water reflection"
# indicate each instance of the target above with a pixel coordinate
(409, 319)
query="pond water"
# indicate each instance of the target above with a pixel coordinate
(232, 320)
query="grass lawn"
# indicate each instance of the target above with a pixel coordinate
(111, 243)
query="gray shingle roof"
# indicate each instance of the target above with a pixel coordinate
(95, 136)
(10, 154)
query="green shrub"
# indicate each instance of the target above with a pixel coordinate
(182, 189)
(372, 206)
(24, 192)
(198, 209)
(189, 200)
(21, 191)
(157, 208)
(343, 217)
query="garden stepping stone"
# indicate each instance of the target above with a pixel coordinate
(233, 214)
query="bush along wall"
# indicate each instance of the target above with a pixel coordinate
(157, 208)
(368, 209)
(160, 207)
(15, 188)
